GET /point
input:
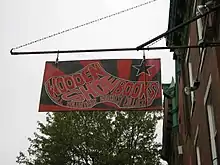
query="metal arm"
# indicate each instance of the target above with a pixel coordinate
(141, 47)
(178, 27)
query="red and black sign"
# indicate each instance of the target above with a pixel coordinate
(102, 85)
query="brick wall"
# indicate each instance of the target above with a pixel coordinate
(199, 116)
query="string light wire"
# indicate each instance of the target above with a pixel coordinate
(84, 24)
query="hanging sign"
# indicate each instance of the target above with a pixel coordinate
(122, 84)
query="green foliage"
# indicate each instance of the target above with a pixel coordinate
(98, 138)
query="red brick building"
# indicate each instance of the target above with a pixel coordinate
(193, 138)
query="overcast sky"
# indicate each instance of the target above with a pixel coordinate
(21, 76)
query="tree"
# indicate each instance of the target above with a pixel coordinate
(98, 138)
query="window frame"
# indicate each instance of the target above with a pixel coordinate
(197, 149)
(201, 26)
(192, 93)
(212, 133)
(198, 155)
(202, 59)
(194, 7)
(211, 119)
(188, 65)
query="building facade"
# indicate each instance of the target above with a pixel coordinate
(191, 130)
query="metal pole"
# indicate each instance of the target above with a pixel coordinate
(177, 27)
(113, 49)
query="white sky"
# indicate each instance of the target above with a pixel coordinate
(21, 76)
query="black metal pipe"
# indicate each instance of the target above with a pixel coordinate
(177, 27)
(112, 49)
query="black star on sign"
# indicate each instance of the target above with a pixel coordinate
(141, 68)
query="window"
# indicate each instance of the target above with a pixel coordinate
(213, 133)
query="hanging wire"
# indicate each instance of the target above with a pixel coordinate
(57, 59)
(82, 25)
